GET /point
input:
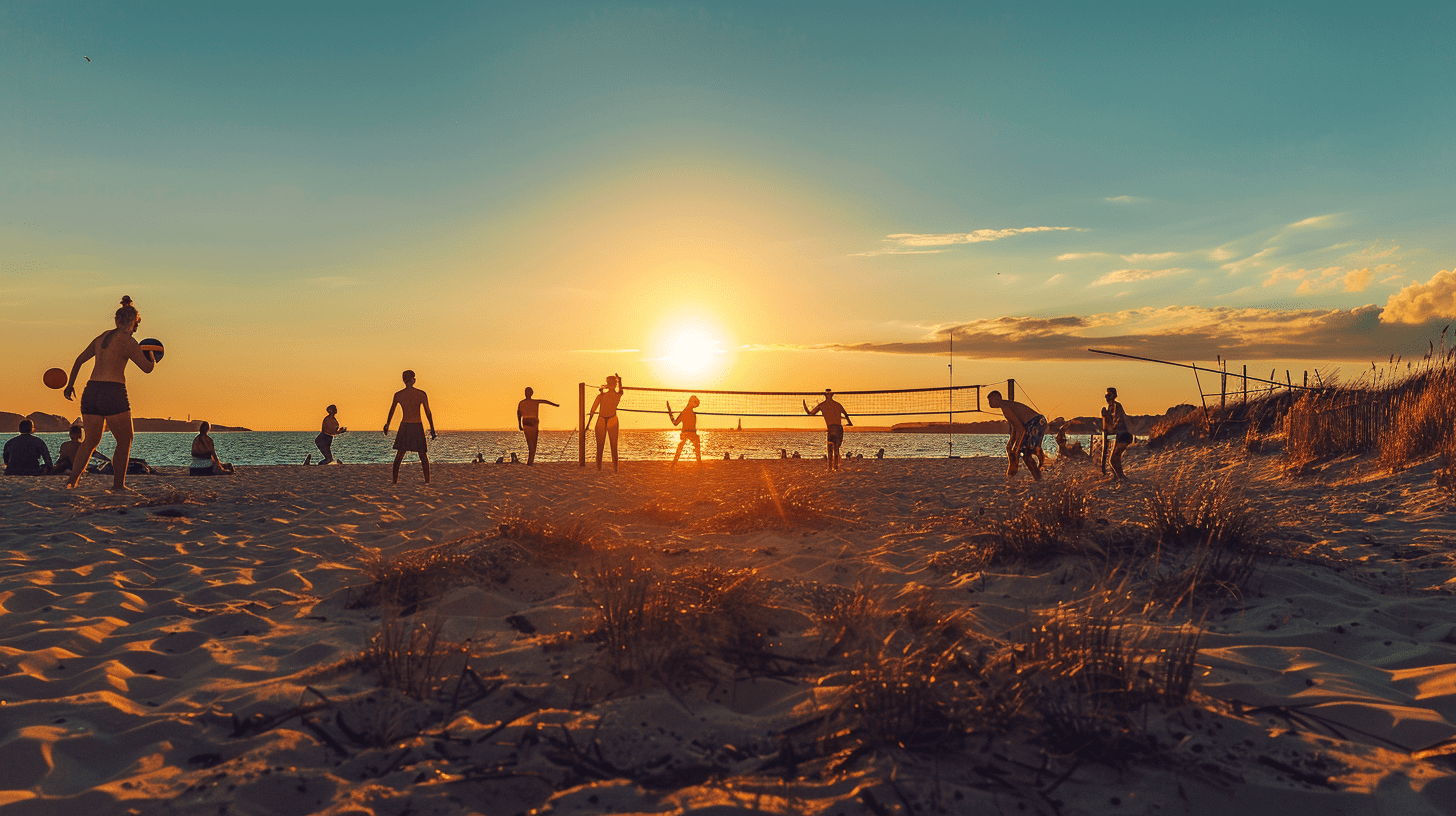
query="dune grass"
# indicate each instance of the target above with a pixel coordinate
(795, 508)
(1209, 537)
(413, 658)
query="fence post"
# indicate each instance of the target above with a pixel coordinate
(1011, 390)
(581, 424)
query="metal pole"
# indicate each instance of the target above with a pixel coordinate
(581, 423)
(1011, 390)
(950, 400)
(1194, 367)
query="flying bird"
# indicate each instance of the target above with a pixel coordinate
(88, 59)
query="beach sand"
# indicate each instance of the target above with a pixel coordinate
(195, 648)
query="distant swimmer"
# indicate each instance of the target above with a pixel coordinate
(1114, 421)
(1027, 427)
(605, 406)
(835, 418)
(411, 436)
(688, 418)
(528, 420)
(104, 403)
(204, 455)
(325, 439)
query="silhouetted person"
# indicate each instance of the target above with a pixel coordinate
(605, 405)
(411, 436)
(1114, 421)
(325, 440)
(70, 448)
(1028, 428)
(1069, 450)
(688, 418)
(204, 455)
(835, 418)
(104, 404)
(23, 453)
(528, 420)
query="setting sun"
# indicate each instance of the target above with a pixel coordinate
(691, 353)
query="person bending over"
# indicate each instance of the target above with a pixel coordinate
(104, 403)
(835, 418)
(528, 420)
(23, 453)
(411, 436)
(325, 440)
(1027, 428)
(688, 418)
(204, 455)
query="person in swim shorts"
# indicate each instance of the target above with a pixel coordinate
(835, 418)
(528, 420)
(608, 397)
(1114, 421)
(411, 436)
(104, 403)
(325, 440)
(688, 418)
(1027, 428)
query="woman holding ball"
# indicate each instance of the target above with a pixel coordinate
(104, 403)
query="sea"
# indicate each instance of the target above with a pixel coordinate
(290, 447)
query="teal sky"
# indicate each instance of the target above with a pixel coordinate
(306, 200)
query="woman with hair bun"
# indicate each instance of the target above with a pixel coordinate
(104, 403)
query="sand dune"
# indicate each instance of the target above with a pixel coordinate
(193, 649)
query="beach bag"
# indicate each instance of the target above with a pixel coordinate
(134, 467)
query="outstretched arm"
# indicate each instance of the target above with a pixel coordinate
(86, 354)
(674, 419)
(550, 403)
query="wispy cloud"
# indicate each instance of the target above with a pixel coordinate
(1124, 199)
(1131, 275)
(1375, 251)
(1055, 279)
(1257, 259)
(1312, 221)
(1078, 256)
(895, 251)
(1314, 281)
(1139, 257)
(920, 239)
(1220, 254)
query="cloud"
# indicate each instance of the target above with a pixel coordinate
(1313, 281)
(1123, 199)
(1312, 221)
(916, 239)
(1077, 256)
(1253, 260)
(1181, 333)
(1420, 302)
(606, 351)
(1130, 275)
(1219, 254)
(1054, 279)
(1142, 257)
(873, 253)
(1376, 251)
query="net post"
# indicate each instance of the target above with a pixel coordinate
(1011, 390)
(581, 424)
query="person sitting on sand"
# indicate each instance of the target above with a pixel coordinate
(411, 435)
(688, 418)
(835, 418)
(70, 448)
(1027, 428)
(1114, 421)
(1069, 450)
(528, 420)
(325, 439)
(204, 455)
(104, 403)
(608, 397)
(23, 453)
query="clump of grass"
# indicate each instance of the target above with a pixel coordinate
(795, 508)
(1209, 537)
(1423, 418)
(548, 542)
(413, 658)
(1445, 475)
(419, 575)
(177, 497)
(1043, 528)
(661, 510)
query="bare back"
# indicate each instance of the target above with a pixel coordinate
(833, 412)
(529, 408)
(112, 350)
(1016, 413)
(410, 400)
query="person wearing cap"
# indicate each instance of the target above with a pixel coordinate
(835, 418)
(23, 453)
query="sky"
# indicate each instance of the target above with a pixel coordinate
(306, 199)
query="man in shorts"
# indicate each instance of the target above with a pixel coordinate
(411, 436)
(1114, 421)
(835, 418)
(528, 419)
(1027, 428)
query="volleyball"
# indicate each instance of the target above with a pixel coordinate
(153, 349)
(55, 378)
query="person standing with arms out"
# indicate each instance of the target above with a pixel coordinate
(104, 403)
(325, 439)
(1114, 421)
(1028, 428)
(411, 436)
(835, 418)
(607, 399)
(528, 420)
(688, 417)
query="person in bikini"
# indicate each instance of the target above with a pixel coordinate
(104, 403)
(204, 455)
(606, 403)
(1027, 427)
(835, 418)
(411, 436)
(688, 418)
(528, 420)
(1114, 421)
(325, 440)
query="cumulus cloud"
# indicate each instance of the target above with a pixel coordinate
(918, 239)
(1078, 256)
(1314, 281)
(1256, 259)
(1131, 275)
(1420, 302)
(1180, 333)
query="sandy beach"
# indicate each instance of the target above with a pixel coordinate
(219, 646)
